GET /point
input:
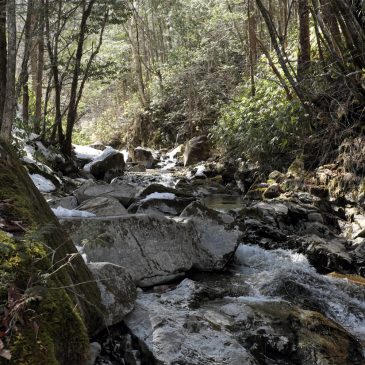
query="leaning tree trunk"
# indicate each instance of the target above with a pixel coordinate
(10, 100)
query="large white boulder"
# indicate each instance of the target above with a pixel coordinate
(153, 248)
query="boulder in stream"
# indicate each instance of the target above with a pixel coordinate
(120, 190)
(144, 156)
(103, 206)
(109, 165)
(153, 248)
(118, 291)
(197, 149)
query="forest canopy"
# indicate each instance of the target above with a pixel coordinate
(262, 78)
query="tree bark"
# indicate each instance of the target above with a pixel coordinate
(252, 45)
(39, 74)
(280, 53)
(3, 53)
(304, 55)
(72, 108)
(23, 78)
(10, 100)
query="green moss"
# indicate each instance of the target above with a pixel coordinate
(27, 262)
(62, 337)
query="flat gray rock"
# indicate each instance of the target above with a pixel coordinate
(153, 248)
(122, 191)
(103, 206)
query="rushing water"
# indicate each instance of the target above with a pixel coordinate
(268, 272)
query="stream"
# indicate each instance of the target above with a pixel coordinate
(269, 301)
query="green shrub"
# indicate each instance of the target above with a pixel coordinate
(264, 127)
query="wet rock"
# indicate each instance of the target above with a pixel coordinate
(276, 176)
(95, 349)
(111, 166)
(117, 288)
(209, 328)
(196, 339)
(173, 207)
(159, 188)
(67, 202)
(98, 146)
(319, 191)
(291, 224)
(201, 188)
(330, 255)
(196, 150)
(144, 156)
(120, 190)
(153, 248)
(217, 231)
(273, 191)
(137, 168)
(103, 206)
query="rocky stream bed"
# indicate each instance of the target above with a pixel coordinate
(193, 271)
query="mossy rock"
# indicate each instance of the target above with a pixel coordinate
(36, 257)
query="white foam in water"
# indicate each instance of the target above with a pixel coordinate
(167, 196)
(343, 301)
(80, 249)
(61, 212)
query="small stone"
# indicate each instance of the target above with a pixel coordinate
(273, 191)
(319, 191)
(315, 217)
(276, 176)
(95, 350)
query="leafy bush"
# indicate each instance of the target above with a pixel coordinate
(264, 127)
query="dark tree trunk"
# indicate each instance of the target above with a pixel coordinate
(10, 99)
(72, 109)
(39, 74)
(23, 79)
(3, 52)
(304, 55)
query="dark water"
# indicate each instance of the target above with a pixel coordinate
(223, 203)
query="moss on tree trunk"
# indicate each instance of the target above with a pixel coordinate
(42, 262)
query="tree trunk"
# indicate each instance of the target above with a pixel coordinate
(252, 45)
(304, 55)
(281, 57)
(138, 61)
(72, 108)
(23, 78)
(53, 56)
(10, 100)
(3, 52)
(39, 74)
